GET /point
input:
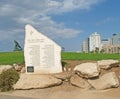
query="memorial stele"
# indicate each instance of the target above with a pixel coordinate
(42, 55)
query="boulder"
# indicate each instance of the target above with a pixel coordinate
(87, 70)
(106, 81)
(29, 81)
(17, 67)
(5, 67)
(107, 64)
(79, 82)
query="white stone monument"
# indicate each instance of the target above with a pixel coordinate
(42, 55)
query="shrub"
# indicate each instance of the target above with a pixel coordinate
(64, 64)
(8, 79)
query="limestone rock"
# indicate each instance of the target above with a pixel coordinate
(106, 64)
(79, 82)
(87, 70)
(106, 81)
(36, 81)
(17, 67)
(42, 54)
(5, 67)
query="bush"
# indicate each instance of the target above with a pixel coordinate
(8, 79)
(64, 64)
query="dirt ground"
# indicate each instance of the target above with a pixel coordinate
(67, 91)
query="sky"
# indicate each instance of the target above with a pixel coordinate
(67, 22)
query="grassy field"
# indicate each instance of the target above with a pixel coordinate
(18, 57)
(88, 56)
(11, 57)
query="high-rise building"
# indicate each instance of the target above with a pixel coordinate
(95, 42)
(85, 46)
(115, 39)
(114, 46)
(106, 42)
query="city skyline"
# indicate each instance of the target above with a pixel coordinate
(67, 22)
(95, 43)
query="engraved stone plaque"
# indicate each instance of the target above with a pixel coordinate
(30, 69)
(40, 52)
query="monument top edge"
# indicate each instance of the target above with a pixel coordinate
(28, 26)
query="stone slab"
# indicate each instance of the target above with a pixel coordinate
(36, 81)
(108, 80)
(87, 70)
(42, 55)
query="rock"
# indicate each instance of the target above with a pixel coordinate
(65, 76)
(28, 81)
(42, 55)
(106, 64)
(17, 67)
(5, 67)
(79, 82)
(87, 70)
(106, 81)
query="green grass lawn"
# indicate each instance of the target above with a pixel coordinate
(18, 57)
(11, 58)
(88, 56)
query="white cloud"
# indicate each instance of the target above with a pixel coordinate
(39, 13)
(63, 6)
(10, 34)
(104, 21)
(45, 6)
(46, 25)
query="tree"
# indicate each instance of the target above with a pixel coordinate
(102, 51)
(96, 50)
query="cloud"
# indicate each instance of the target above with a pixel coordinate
(46, 25)
(70, 5)
(46, 6)
(39, 13)
(9, 34)
(104, 21)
